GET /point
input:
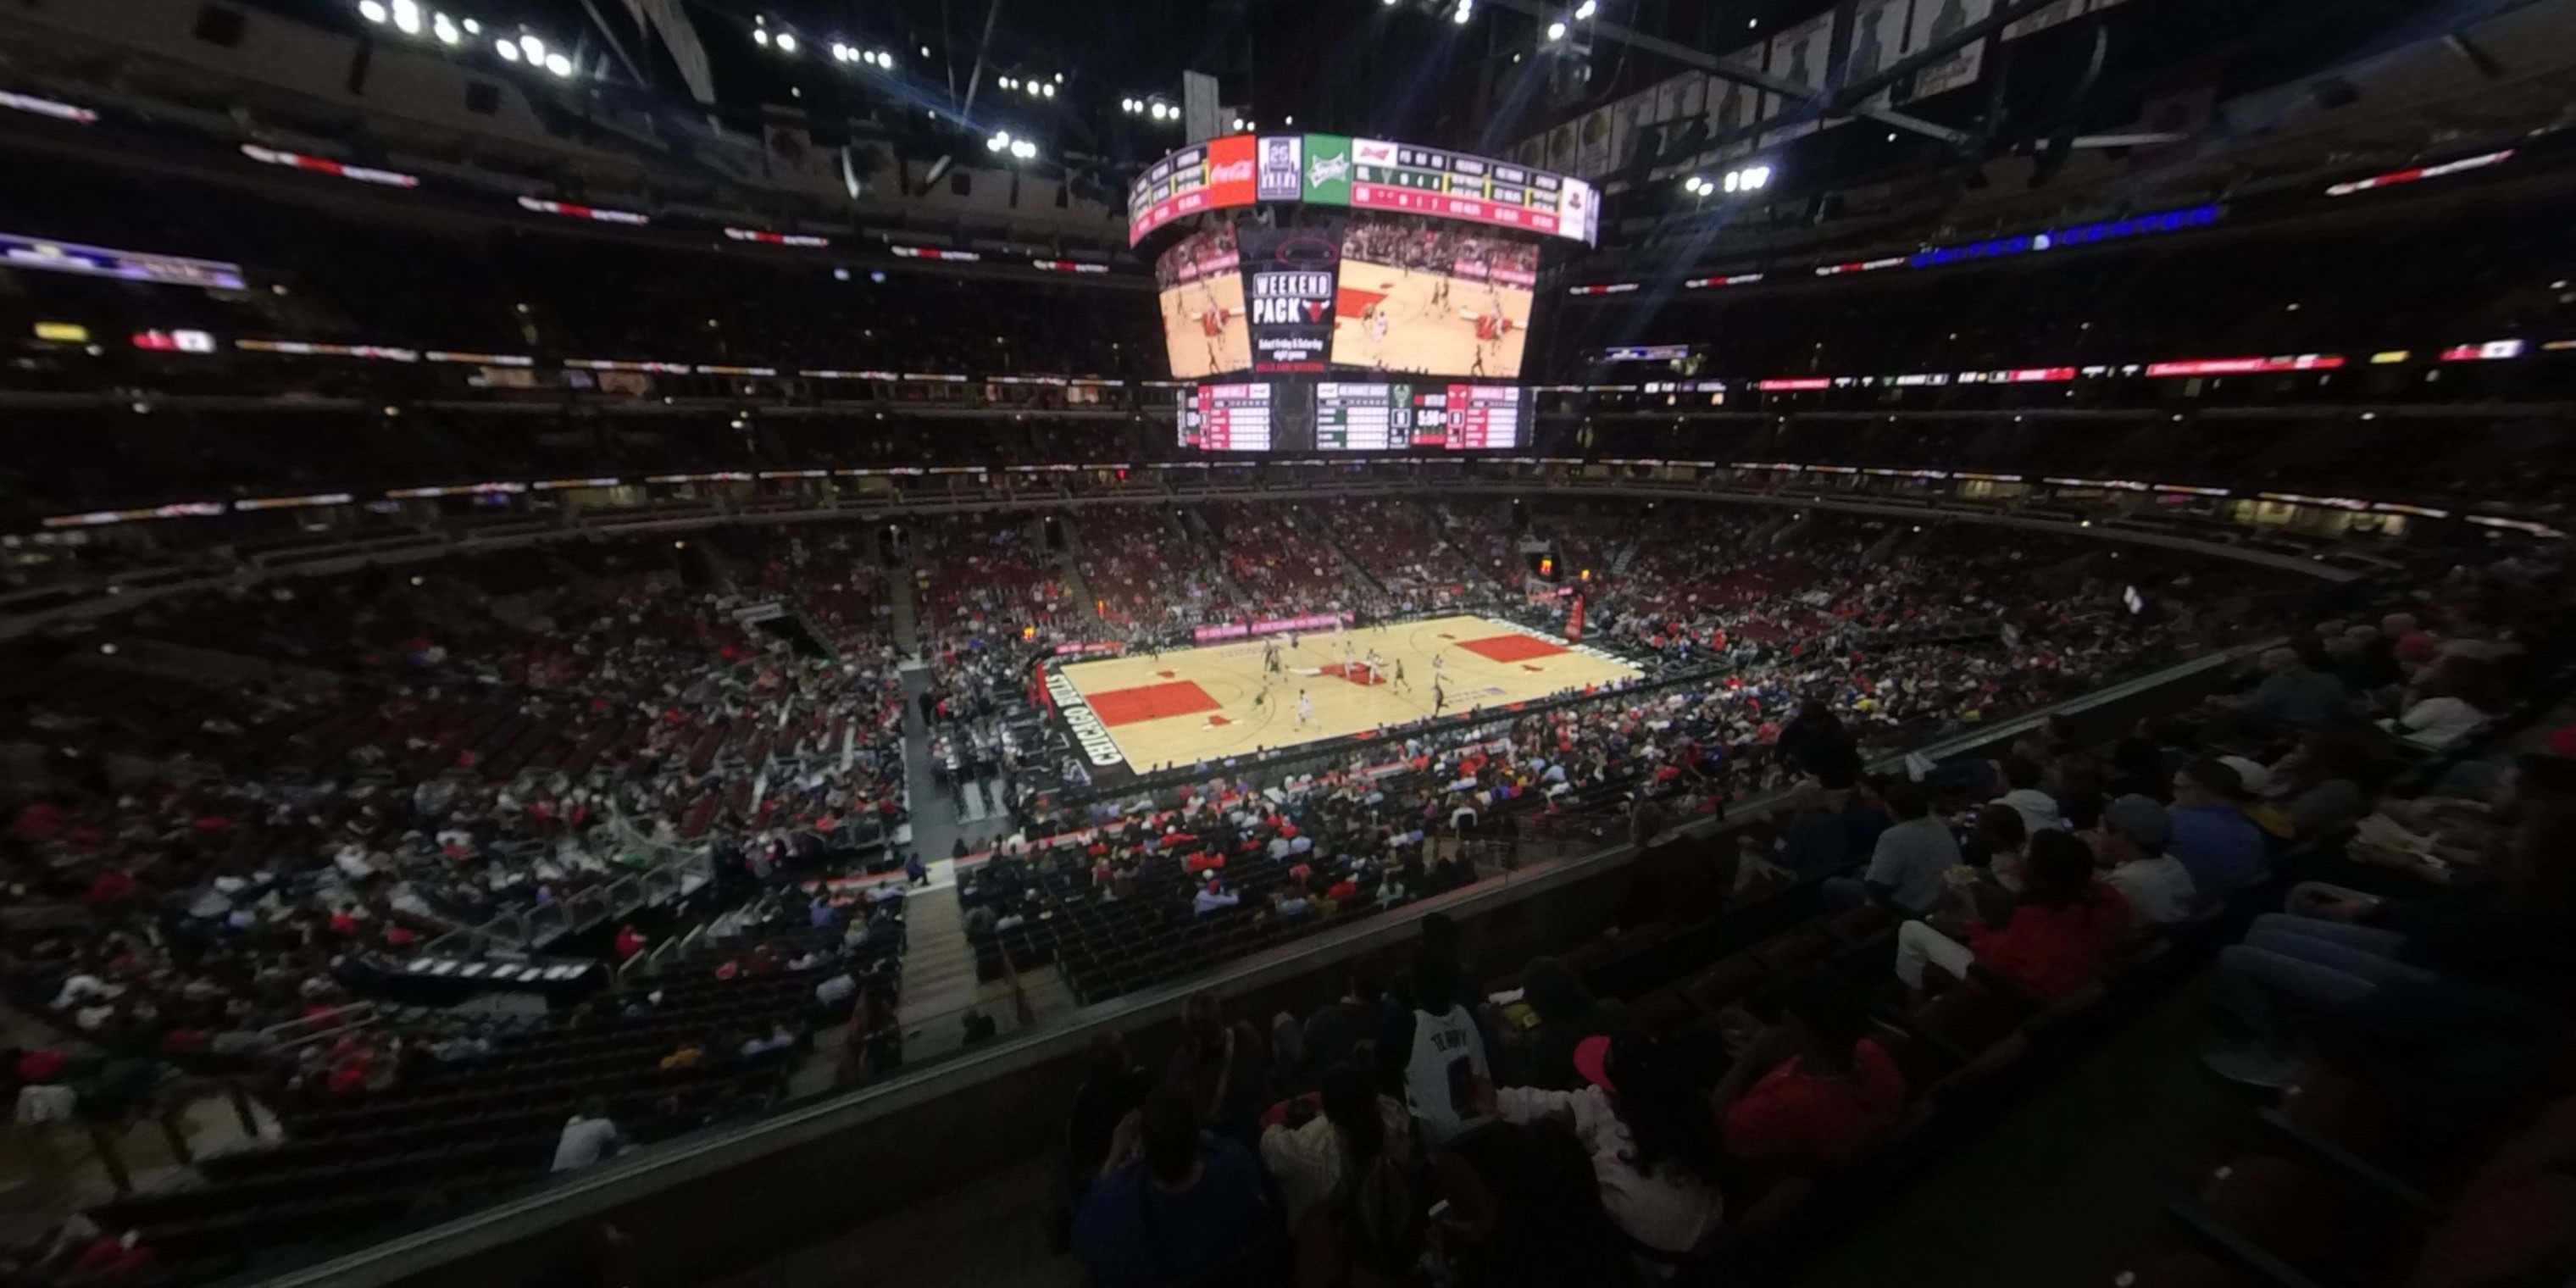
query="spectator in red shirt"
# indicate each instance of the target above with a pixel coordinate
(1811, 1092)
(2067, 930)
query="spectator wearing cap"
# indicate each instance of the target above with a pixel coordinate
(2210, 833)
(2130, 845)
(1213, 896)
(2064, 933)
(1171, 1202)
(1654, 1149)
(1812, 1091)
(2254, 780)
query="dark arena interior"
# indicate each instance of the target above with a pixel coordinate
(1351, 644)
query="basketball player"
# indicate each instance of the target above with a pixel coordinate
(1305, 709)
(1439, 663)
(1400, 685)
(1376, 665)
(1350, 657)
(1439, 697)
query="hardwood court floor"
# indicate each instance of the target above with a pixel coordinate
(1210, 702)
(1427, 331)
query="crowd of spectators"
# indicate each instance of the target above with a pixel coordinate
(418, 752)
(1147, 571)
(1427, 1117)
(1416, 553)
(1279, 561)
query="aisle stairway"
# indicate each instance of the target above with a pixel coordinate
(938, 968)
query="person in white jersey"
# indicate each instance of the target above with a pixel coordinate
(1444, 1055)
(1305, 709)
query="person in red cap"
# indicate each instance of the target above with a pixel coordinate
(1654, 1151)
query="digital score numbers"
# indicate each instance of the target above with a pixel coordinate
(1486, 416)
(1391, 417)
(1228, 418)
(1362, 418)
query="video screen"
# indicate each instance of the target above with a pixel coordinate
(1204, 327)
(1421, 298)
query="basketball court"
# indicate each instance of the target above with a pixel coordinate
(1205, 329)
(1427, 330)
(1210, 702)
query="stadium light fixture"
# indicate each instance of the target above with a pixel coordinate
(786, 43)
(1049, 88)
(407, 17)
(760, 36)
(559, 65)
(1466, 9)
(507, 48)
(445, 28)
(534, 48)
(1024, 150)
(1001, 139)
(1584, 11)
(1556, 31)
(885, 59)
(1008, 83)
(1059, 78)
(473, 28)
(374, 11)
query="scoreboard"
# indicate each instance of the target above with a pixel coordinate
(1357, 416)
(1339, 170)
(1362, 418)
(1228, 418)
(1454, 185)
(1485, 416)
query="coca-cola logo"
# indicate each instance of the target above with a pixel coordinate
(1231, 172)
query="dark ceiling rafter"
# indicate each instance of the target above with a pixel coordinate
(1761, 80)
(1841, 102)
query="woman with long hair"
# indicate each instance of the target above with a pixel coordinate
(1654, 1148)
(1317, 1158)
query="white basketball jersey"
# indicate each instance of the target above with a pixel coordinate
(1442, 1043)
